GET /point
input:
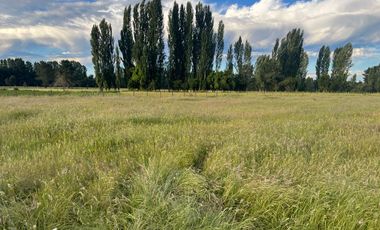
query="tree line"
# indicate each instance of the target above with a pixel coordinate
(195, 56)
(17, 72)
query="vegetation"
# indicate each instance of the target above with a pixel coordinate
(193, 61)
(243, 161)
(17, 72)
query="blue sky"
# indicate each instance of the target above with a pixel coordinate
(59, 29)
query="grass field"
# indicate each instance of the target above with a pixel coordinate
(162, 161)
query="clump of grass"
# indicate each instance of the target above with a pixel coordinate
(242, 161)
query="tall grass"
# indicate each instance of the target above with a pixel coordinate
(232, 161)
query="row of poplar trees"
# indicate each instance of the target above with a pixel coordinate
(141, 46)
(195, 53)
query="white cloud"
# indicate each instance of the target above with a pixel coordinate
(63, 26)
(324, 21)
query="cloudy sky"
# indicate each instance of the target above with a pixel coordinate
(59, 29)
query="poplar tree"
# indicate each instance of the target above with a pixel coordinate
(175, 43)
(239, 55)
(342, 62)
(96, 59)
(204, 44)
(102, 45)
(138, 44)
(289, 56)
(247, 65)
(230, 60)
(107, 54)
(322, 68)
(118, 69)
(154, 44)
(219, 46)
(126, 43)
(188, 43)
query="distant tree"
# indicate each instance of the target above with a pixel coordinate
(137, 35)
(239, 55)
(266, 73)
(11, 81)
(155, 55)
(135, 81)
(126, 43)
(310, 85)
(372, 79)
(342, 62)
(96, 56)
(289, 56)
(46, 72)
(228, 81)
(275, 49)
(102, 44)
(302, 72)
(188, 44)
(322, 69)
(22, 72)
(118, 69)
(176, 50)
(219, 46)
(247, 66)
(70, 74)
(203, 45)
(230, 60)
(207, 48)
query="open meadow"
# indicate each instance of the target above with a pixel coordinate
(77, 159)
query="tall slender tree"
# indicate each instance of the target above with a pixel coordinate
(96, 57)
(230, 60)
(247, 65)
(219, 46)
(175, 47)
(137, 35)
(239, 61)
(342, 62)
(188, 44)
(118, 69)
(322, 68)
(107, 54)
(154, 44)
(126, 43)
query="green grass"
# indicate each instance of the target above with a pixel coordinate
(163, 161)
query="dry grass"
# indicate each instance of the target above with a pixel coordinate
(231, 161)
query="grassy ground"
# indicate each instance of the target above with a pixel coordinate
(235, 161)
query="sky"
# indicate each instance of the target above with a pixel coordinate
(60, 29)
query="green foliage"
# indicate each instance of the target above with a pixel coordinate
(204, 45)
(176, 49)
(70, 74)
(372, 79)
(102, 44)
(188, 43)
(322, 69)
(155, 45)
(46, 72)
(118, 69)
(266, 73)
(230, 60)
(126, 43)
(137, 77)
(342, 62)
(219, 46)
